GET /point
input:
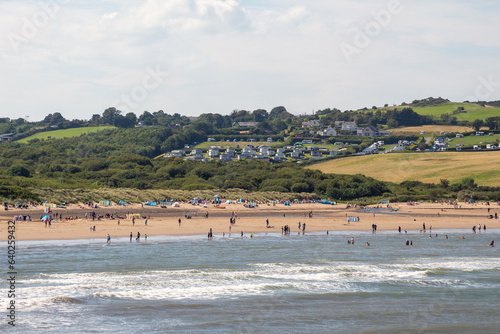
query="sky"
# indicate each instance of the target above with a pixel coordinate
(214, 56)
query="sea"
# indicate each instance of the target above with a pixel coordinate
(268, 283)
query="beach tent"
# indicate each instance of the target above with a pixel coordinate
(106, 202)
(175, 205)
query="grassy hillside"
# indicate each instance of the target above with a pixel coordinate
(480, 113)
(484, 167)
(472, 111)
(66, 133)
(446, 108)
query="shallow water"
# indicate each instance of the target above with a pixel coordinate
(313, 283)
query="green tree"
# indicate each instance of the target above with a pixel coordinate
(18, 170)
(444, 183)
(108, 116)
(477, 124)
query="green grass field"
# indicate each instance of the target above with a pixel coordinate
(482, 166)
(66, 133)
(482, 113)
(444, 108)
(475, 140)
(473, 111)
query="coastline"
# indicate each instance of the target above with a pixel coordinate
(164, 222)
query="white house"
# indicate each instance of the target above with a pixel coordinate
(175, 154)
(213, 152)
(225, 157)
(197, 153)
(296, 154)
(264, 151)
(369, 131)
(311, 124)
(328, 132)
(349, 126)
(231, 151)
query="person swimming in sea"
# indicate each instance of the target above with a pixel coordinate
(492, 243)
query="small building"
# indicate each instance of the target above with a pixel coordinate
(459, 135)
(269, 140)
(231, 151)
(369, 131)
(6, 137)
(311, 124)
(315, 153)
(213, 152)
(197, 153)
(349, 126)
(296, 154)
(225, 157)
(328, 132)
(245, 124)
(175, 154)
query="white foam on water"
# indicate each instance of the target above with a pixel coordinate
(258, 279)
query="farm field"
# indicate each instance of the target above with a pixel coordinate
(431, 129)
(482, 166)
(444, 108)
(65, 133)
(472, 112)
(481, 113)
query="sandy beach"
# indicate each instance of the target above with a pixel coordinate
(165, 221)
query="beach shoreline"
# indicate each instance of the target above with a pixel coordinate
(156, 221)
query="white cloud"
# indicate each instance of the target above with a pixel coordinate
(223, 55)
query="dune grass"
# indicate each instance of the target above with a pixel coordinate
(137, 196)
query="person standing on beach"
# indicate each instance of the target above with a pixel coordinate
(179, 222)
(423, 227)
(303, 227)
(130, 236)
(133, 221)
(109, 239)
(399, 229)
